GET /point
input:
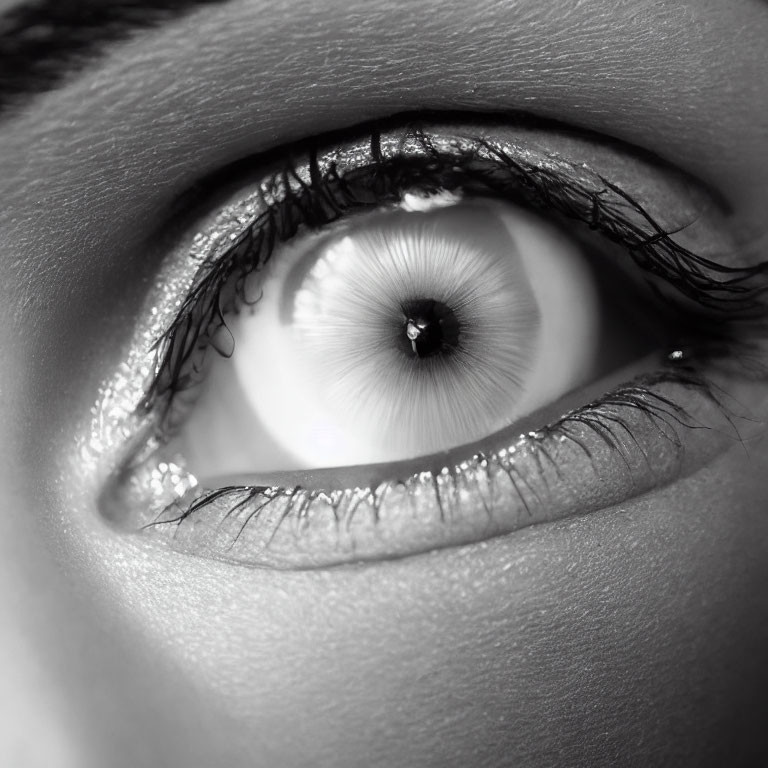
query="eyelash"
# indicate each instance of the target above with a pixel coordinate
(603, 417)
(480, 169)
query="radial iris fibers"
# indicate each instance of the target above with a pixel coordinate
(400, 334)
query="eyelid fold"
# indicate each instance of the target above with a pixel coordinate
(204, 281)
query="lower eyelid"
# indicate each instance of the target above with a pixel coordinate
(601, 455)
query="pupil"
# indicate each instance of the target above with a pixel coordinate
(430, 328)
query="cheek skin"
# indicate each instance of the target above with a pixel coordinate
(621, 638)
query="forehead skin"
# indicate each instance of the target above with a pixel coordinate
(616, 639)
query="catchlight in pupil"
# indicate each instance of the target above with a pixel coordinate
(430, 328)
(400, 333)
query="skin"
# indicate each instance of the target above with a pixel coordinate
(631, 636)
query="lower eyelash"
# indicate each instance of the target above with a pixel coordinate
(269, 509)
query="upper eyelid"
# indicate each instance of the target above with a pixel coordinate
(205, 193)
(522, 125)
(650, 239)
(283, 162)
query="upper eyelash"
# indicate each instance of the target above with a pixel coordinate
(480, 167)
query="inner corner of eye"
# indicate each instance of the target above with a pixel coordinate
(408, 332)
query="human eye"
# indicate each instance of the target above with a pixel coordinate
(422, 334)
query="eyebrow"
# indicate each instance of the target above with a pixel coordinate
(45, 41)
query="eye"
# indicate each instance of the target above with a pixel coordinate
(426, 338)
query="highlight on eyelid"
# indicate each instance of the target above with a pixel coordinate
(402, 334)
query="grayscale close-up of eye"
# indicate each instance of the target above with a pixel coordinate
(385, 383)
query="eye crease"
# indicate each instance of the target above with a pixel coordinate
(528, 466)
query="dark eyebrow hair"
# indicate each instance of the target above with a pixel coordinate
(42, 42)
(45, 41)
